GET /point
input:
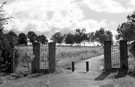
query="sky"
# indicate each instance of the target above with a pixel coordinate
(49, 16)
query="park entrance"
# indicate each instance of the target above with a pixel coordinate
(115, 57)
(44, 60)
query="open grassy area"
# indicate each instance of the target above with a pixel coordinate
(65, 55)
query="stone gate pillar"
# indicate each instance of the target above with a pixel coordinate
(123, 56)
(36, 61)
(107, 56)
(51, 56)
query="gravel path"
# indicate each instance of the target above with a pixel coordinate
(81, 78)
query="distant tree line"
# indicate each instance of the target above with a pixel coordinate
(22, 38)
(77, 37)
(80, 35)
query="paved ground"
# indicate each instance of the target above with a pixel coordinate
(81, 78)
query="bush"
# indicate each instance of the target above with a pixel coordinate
(132, 48)
(6, 46)
(6, 54)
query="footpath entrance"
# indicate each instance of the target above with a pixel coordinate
(115, 57)
(44, 61)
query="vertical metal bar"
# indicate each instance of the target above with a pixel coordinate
(112, 55)
(87, 66)
(115, 59)
(13, 61)
(73, 66)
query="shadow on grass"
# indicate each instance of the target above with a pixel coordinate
(121, 74)
(131, 74)
(35, 75)
(102, 76)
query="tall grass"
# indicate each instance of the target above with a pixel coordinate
(65, 55)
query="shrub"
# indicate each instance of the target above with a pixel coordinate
(6, 47)
(132, 48)
(5, 54)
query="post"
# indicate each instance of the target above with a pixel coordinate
(123, 56)
(87, 66)
(73, 66)
(107, 56)
(51, 59)
(10, 69)
(14, 70)
(36, 61)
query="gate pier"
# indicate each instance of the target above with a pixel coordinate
(116, 58)
(35, 65)
(107, 56)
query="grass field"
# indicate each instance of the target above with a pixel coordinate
(65, 55)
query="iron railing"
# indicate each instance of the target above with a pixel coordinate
(115, 57)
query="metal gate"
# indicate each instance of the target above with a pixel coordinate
(44, 62)
(115, 56)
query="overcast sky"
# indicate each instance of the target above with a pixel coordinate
(67, 15)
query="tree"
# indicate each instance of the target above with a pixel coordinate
(42, 39)
(80, 36)
(69, 38)
(126, 31)
(32, 36)
(22, 39)
(91, 37)
(11, 37)
(102, 35)
(58, 37)
(6, 49)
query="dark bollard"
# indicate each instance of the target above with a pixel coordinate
(73, 66)
(87, 66)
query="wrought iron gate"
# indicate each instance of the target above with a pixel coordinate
(115, 56)
(44, 64)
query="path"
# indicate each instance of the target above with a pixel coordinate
(81, 78)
